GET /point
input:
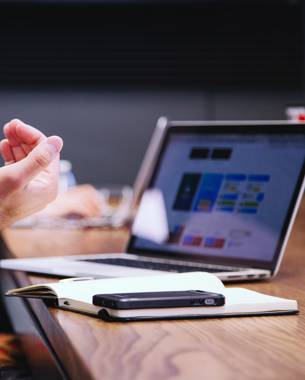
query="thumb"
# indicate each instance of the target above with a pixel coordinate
(40, 157)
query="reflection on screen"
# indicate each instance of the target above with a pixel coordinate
(227, 195)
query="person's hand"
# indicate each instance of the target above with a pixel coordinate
(29, 179)
(78, 202)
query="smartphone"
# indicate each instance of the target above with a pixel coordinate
(150, 300)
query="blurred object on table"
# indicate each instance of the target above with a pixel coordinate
(151, 208)
(116, 203)
(296, 113)
(67, 178)
(83, 206)
(77, 202)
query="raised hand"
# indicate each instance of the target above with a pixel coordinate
(29, 179)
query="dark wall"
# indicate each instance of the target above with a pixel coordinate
(105, 133)
(202, 44)
(101, 75)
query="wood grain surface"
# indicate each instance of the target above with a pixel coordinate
(230, 348)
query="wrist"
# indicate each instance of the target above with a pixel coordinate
(5, 219)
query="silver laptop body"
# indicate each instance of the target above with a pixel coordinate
(231, 192)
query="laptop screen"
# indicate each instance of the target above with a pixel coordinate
(227, 196)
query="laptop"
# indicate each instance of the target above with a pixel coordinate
(230, 190)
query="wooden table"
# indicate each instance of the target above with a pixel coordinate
(75, 346)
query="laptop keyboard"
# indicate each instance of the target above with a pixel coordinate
(167, 267)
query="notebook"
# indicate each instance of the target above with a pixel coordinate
(76, 295)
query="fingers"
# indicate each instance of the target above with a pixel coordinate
(19, 153)
(22, 138)
(6, 152)
(9, 133)
(31, 153)
(19, 133)
(40, 158)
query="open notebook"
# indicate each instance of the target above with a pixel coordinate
(77, 294)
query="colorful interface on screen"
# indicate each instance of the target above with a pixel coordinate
(227, 195)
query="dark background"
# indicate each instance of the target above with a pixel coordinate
(100, 73)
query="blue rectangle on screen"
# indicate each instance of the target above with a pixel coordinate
(236, 177)
(231, 197)
(226, 209)
(186, 192)
(248, 210)
(260, 197)
(208, 192)
(259, 178)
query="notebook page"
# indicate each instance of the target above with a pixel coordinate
(238, 302)
(244, 300)
(84, 290)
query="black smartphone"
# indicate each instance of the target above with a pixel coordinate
(149, 300)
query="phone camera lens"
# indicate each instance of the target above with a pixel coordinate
(209, 301)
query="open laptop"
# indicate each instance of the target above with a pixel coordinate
(231, 192)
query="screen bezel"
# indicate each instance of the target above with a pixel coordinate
(243, 128)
